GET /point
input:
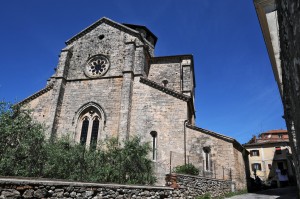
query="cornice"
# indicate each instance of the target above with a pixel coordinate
(210, 133)
(268, 143)
(176, 58)
(165, 90)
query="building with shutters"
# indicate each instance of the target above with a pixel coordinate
(269, 152)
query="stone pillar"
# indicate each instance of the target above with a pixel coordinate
(187, 80)
(141, 67)
(126, 93)
(59, 81)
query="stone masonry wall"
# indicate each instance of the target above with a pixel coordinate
(78, 93)
(239, 171)
(190, 187)
(221, 153)
(289, 33)
(154, 110)
(112, 45)
(197, 186)
(166, 71)
(225, 160)
(41, 108)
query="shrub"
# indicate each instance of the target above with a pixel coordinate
(24, 151)
(115, 164)
(186, 169)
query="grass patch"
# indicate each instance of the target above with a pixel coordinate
(230, 194)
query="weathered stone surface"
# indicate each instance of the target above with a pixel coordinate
(190, 187)
(40, 193)
(10, 193)
(137, 95)
(28, 193)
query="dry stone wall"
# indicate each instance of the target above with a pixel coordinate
(197, 186)
(190, 187)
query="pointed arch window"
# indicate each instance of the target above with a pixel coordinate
(89, 127)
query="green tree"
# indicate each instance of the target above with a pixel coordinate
(24, 151)
(22, 145)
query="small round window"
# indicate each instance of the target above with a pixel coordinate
(96, 66)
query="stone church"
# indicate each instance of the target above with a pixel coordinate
(108, 83)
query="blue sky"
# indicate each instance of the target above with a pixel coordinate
(236, 93)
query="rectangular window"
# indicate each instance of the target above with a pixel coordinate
(254, 153)
(256, 166)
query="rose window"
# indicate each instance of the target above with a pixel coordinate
(97, 66)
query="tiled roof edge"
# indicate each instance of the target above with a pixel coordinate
(164, 89)
(35, 95)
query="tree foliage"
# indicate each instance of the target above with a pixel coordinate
(22, 146)
(24, 151)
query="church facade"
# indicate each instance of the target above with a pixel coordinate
(108, 83)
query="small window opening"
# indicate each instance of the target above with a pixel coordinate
(154, 144)
(101, 37)
(165, 82)
(254, 153)
(256, 167)
(207, 159)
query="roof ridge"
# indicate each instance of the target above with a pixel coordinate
(218, 135)
(209, 132)
(96, 24)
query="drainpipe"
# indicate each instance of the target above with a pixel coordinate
(184, 135)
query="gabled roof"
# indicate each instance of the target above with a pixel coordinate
(35, 95)
(217, 135)
(169, 91)
(166, 90)
(108, 21)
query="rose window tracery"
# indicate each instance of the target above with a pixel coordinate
(97, 66)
